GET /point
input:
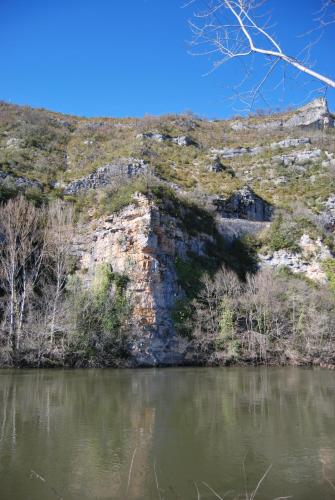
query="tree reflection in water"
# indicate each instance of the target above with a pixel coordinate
(140, 434)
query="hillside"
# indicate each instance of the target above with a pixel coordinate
(181, 240)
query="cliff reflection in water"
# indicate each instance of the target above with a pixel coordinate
(139, 434)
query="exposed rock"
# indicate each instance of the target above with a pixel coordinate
(182, 140)
(216, 166)
(233, 229)
(279, 181)
(261, 125)
(286, 143)
(92, 125)
(298, 158)
(315, 113)
(244, 204)
(308, 261)
(154, 136)
(290, 143)
(143, 243)
(65, 123)
(232, 152)
(327, 217)
(23, 183)
(13, 143)
(107, 175)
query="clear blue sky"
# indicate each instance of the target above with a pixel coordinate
(130, 57)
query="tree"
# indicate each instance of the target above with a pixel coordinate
(21, 254)
(59, 236)
(238, 29)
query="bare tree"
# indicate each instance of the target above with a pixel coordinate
(326, 15)
(60, 230)
(21, 254)
(238, 29)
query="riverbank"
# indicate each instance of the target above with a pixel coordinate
(217, 360)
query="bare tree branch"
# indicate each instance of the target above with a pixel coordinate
(237, 29)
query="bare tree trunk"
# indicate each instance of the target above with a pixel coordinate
(11, 336)
(55, 306)
(22, 307)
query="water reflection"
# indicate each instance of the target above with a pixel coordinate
(141, 434)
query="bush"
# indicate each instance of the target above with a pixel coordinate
(109, 200)
(272, 318)
(283, 234)
(99, 317)
(328, 266)
(286, 231)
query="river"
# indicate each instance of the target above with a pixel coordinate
(179, 433)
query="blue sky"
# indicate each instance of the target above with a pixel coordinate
(128, 58)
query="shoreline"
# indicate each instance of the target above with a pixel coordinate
(127, 366)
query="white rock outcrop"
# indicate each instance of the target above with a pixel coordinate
(314, 113)
(308, 261)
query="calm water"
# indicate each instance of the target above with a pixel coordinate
(161, 434)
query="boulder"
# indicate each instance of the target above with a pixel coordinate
(154, 136)
(184, 140)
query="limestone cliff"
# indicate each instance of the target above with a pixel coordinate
(143, 243)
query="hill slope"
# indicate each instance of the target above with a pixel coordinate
(162, 204)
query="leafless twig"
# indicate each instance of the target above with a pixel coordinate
(238, 29)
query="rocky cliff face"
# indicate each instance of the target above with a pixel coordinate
(143, 243)
(245, 204)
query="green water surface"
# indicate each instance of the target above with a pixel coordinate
(179, 433)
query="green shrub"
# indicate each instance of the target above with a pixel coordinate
(108, 201)
(7, 192)
(182, 317)
(283, 234)
(328, 265)
(189, 273)
(100, 316)
(117, 200)
(226, 321)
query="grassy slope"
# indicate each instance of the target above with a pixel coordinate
(52, 147)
